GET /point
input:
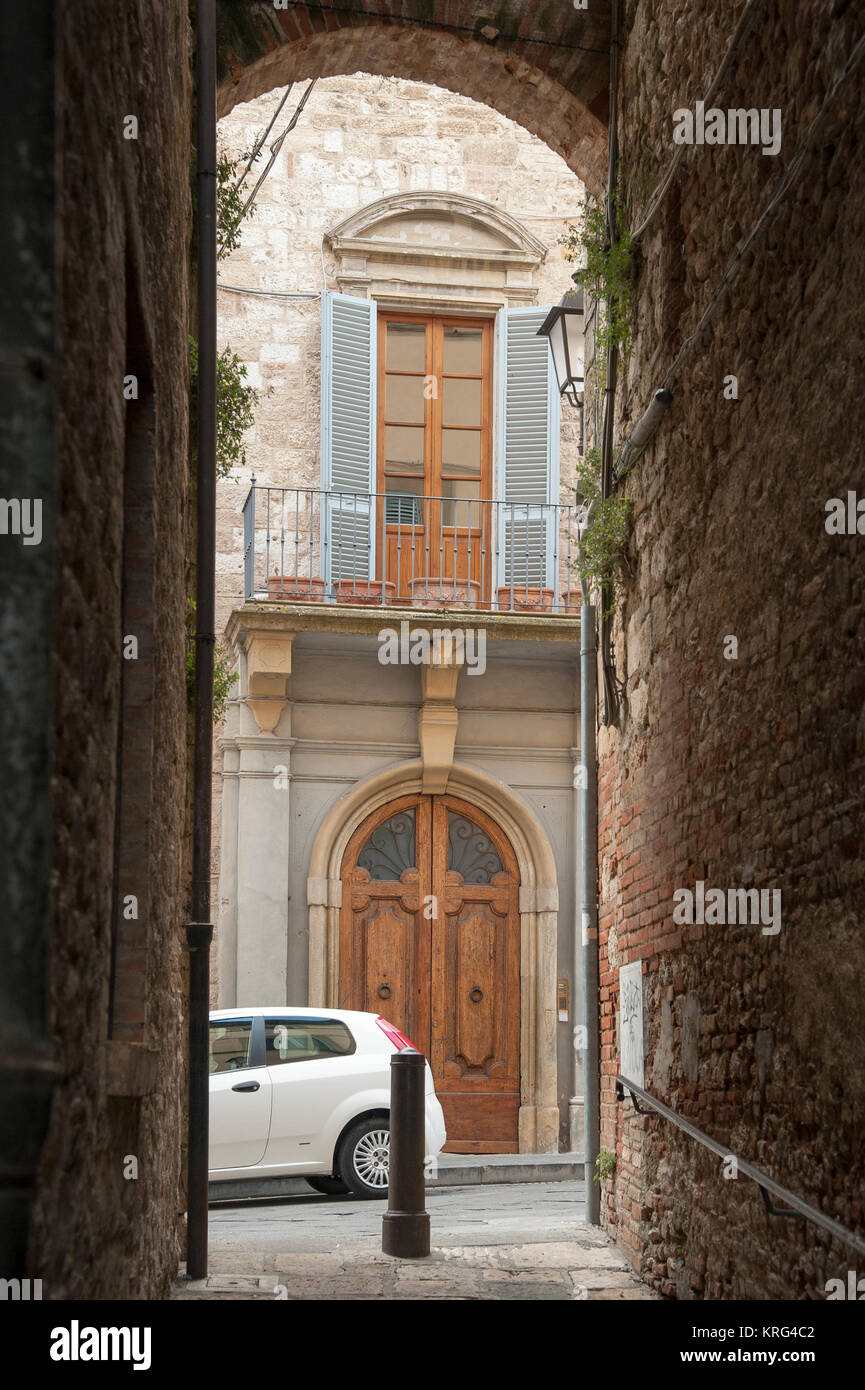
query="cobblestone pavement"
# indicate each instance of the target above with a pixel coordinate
(524, 1241)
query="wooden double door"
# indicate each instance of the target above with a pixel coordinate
(430, 939)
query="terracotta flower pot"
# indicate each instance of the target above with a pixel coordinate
(373, 593)
(434, 592)
(531, 599)
(297, 588)
(572, 599)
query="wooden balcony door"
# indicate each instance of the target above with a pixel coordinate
(434, 452)
(430, 939)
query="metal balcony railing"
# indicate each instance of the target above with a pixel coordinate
(404, 549)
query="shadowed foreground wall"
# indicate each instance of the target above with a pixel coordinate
(741, 772)
(116, 1010)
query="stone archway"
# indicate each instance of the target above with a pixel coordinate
(554, 84)
(538, 912)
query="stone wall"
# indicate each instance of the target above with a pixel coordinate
(741, 771)
(542, 65)
(118, 1030)
(358, 139)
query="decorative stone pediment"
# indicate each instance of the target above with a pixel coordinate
(437, 247)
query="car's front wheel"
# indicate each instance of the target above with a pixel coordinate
(364, 1158)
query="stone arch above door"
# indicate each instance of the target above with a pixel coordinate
(538, 912)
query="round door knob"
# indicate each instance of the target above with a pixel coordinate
(384, 991)
(476, 995)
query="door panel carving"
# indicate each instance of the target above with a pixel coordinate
(430, 939)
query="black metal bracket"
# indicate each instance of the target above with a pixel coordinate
(778, 1211)
(620, 1095)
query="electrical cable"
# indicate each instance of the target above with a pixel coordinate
(785, 183)
(750, 15)
(270, 294)
(259, 144)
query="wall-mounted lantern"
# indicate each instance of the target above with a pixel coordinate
(564, 326)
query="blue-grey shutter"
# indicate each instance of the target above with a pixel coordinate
(528, 428)
(348, 379)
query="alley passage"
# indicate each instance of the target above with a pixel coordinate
(492, 1241)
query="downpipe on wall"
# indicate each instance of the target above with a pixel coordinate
(589, 897)
(199, 931)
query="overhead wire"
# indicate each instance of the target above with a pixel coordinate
(785, 183)
(749, 17)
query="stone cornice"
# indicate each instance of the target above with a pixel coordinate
(319, 617)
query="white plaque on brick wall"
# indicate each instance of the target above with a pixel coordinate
(631, 1021)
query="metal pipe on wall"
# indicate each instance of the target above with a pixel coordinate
(199, 931)
(589, 902)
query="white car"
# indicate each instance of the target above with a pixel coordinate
(306, 1093)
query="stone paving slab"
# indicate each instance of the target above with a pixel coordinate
(499, 1242)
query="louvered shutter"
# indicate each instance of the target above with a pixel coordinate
(528, 451)
(348, 376)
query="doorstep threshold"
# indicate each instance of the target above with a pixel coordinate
(463, 1170)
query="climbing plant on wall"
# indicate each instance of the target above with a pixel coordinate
(604, 536)
(236, 399)
(606, 271)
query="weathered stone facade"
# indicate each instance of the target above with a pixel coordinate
(742, 772)
(545, 66)
(359, 139)
(735, 772)
(425, 200)
(116, 981)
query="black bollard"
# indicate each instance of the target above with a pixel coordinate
(405, 1224)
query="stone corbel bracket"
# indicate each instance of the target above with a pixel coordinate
(268, 666)
(438, 719)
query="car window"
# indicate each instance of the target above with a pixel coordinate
(230, 1041)
(305, 1040)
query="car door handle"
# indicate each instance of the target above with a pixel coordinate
(247, 1086)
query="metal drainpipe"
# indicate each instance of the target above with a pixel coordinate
(199, 931)
(589, 904)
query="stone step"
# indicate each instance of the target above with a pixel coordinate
(452, 1170)
(465, 1170)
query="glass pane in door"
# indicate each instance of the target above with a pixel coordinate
(404, 399)
(461, 453)
(406, 347)
(404, 449)
(461, 401)
(463, 350)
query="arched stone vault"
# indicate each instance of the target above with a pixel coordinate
(549, 86)
(539, 1115)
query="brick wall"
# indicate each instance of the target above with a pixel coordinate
(741, 772)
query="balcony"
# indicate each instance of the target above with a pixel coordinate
(451, 554)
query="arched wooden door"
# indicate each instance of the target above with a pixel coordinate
(430, 939)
